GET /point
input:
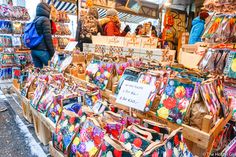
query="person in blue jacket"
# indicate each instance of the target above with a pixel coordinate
(197, 28)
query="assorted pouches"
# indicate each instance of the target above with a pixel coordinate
(214, 61)
(175, 100)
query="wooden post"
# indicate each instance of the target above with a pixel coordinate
(206, 123)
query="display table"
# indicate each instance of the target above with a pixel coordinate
(199, 141)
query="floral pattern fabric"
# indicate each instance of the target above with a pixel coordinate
(66, 129)
(134, 142)
(175, 100)
(88, 142)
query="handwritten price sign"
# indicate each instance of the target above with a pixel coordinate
(134, 94)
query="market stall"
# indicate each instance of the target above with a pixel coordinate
(123, 96)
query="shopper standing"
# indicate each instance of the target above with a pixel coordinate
(88, 26)
(198, 28)
(112, 24)
(43, 52)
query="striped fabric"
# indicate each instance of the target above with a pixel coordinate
(63, 6)
(124, 17)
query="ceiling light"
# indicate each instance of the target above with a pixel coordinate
(167, 3)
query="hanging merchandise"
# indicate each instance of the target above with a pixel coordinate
(221, 29)
(230, 68)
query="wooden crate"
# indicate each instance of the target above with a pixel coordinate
(43, 133)
(25, 103)
(200, 142)
(54, 152)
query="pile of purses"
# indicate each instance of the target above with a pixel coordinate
(220, 6)
(219, 61)
(221, 29)
(14, 13)
(108, 134)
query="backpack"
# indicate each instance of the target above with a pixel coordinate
(31, 38)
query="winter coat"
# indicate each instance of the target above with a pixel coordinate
(111, 28)
(43, 26)
(196, 31)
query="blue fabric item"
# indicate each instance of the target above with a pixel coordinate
(31, 37)
(40, 58)
(196, 31)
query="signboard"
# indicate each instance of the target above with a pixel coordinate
(134, 94)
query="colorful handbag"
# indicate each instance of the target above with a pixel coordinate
(173, 146)
(46, 100)
(160, 128)
(134, 142)
(66, 129)
(55, 109)
(112, 147)
(175, 100)
(30, 80)
(155, 136)
(210, 98)
(41, 87)
(89, 140)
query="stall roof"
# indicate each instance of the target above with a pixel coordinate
(124, 14)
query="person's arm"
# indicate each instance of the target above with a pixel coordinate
(100, 30)
(78, 30)
(47, 34)
(110, 30)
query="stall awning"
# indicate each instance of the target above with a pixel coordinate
(124, 17)
(69, 7)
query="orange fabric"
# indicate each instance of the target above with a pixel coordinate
(111, 29)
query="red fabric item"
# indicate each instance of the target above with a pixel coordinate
(54, 27)
(111, 29)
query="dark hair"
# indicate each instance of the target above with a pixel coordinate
(138, 28)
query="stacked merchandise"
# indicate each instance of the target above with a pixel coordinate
(86, 124)
(220, 62)
(12, 21)
(61, 38)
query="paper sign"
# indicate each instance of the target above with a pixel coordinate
(71, 46)
(134, 94)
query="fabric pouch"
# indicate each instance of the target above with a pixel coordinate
(160, 128)
(173, 146)
(41, 87)
(134, 142)
(112, 147)
(89, 140)
(66, 129)
(176, 99)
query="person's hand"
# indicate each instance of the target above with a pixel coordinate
(127, 29)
